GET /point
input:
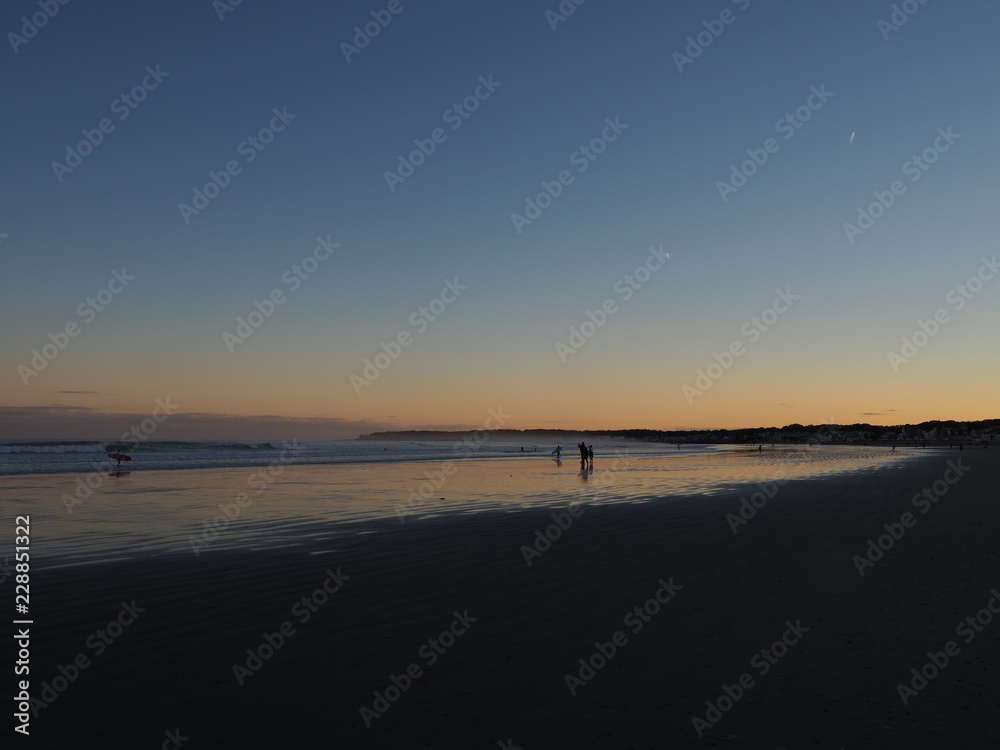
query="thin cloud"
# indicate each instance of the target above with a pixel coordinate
(446, 427)
(66, 422)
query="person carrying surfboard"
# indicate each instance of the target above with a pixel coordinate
(119, 456)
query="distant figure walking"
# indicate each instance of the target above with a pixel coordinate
(558, 451)
(583, 452)
(590, 455)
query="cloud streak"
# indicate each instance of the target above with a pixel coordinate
(66, 422)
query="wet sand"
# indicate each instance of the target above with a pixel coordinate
(480, 643)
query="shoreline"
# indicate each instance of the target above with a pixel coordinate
(100, 515)
(488, 453)
(506, 675)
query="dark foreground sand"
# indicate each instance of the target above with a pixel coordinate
(503, 678)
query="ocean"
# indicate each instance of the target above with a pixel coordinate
(79, 456)
(267, 495)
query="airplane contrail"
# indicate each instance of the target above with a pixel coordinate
(852, 138)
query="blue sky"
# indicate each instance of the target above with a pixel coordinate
(655, 185)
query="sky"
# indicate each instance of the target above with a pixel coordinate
(321, 220)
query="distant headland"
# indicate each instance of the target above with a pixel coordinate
(934, 432)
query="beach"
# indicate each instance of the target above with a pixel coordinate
(538, 611)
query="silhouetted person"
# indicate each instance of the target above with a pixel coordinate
(583, 454)
(590, 455)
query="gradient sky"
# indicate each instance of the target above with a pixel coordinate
(656, 185)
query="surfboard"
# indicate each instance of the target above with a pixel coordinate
(119, 457)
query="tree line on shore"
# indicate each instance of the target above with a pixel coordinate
(941, 429)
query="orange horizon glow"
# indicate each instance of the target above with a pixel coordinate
(600, 403)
